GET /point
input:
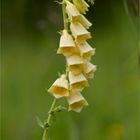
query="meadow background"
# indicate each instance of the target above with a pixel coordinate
(30, 65)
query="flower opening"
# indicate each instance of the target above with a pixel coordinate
(60, 87)
(66, 45)
(76, 101)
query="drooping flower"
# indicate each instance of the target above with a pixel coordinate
(72, 12)
(81, 5)
(76, 101)
(75, 16)
(89, 70)
(60, 87)
(79, 32)
(77, 81)
(84, 21)
(75, 63)
(66, 45)
(86, 50)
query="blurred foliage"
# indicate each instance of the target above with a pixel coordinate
(30, 64)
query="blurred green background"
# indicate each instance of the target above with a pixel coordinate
(30, 65)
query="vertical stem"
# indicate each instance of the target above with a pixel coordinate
(51, 109)
(48, 121)
(65, 20)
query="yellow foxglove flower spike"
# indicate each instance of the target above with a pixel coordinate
(81, 5)
(76, 101)
(86, 50)
(66, 45)
(89, 70)
(77, 81)
(60, 87)
(75, 63)
(79, 32)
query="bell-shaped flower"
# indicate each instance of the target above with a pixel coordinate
(76, 101)
(86, 50)
(79, 32)
(60, 87)
(72, 11)
(75, 63)
(75, 16)
(81, 5)
(66, 45)
(84, 21)
(89, 70)
(77, 81)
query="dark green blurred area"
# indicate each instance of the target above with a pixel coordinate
(30, 65)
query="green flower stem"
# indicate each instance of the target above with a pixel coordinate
(65, 19)
(47, 123)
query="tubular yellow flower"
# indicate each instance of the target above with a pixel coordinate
(89, 70)
(72, 11)
(75, 16)
(81, 5)
(77, 81)
(79, 32)
(66, 45)
(75, 63)
(86, 50)
(76, 101)
(60, 87)
(84, 21)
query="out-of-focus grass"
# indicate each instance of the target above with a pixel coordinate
(30, 65)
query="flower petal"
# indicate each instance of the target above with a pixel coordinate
(81, 5)
(84, 21)
(89, 70)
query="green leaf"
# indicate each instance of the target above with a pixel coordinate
(39, 122)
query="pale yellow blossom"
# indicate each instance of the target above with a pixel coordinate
(81, 5)
(75, 16)
(84, 21)
(66, 45)
(76, 101)
(89, 70)
(60, 87)
(77, 81)
(79, 32)
(75, 63)
(72, 12)
(86, 50)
